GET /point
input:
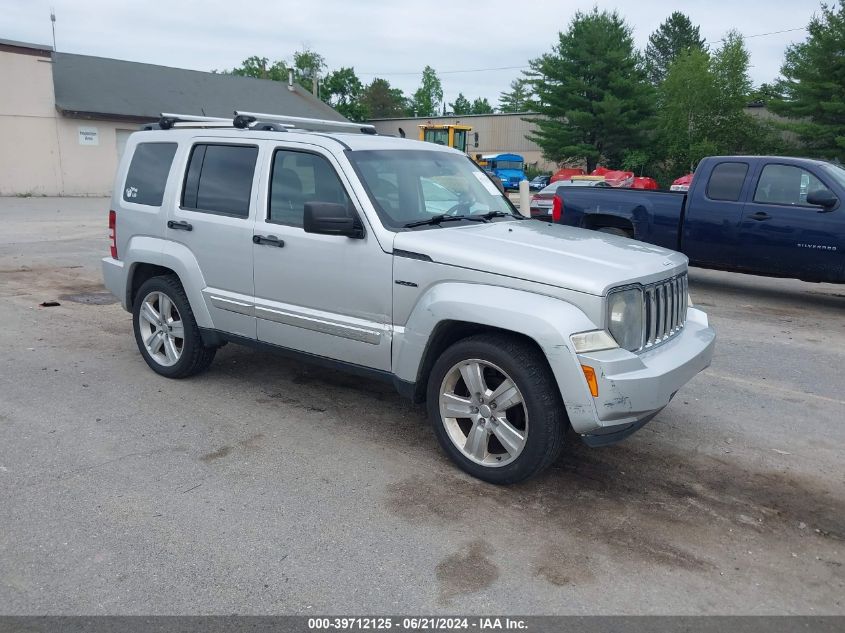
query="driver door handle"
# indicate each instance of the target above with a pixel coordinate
(179, 226)
(268, 240)
(760, 216)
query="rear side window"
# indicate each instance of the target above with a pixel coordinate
(219, 179)
(147, 176)
(298, 178)
(726, 181)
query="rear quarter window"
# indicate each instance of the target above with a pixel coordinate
(147, 175)
(726, 181)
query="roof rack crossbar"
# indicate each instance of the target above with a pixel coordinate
(244, 119)
(169, 119)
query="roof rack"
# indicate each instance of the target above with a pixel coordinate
(245, 119)
(256, 121)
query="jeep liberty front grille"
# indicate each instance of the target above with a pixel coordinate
(664, 310)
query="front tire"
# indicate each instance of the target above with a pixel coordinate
(166, 331)
(495, 408)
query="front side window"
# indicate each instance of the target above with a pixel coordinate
(147, 175)
(219, 179)
(297, 178)
(409, 186)
(785, 184)
(726, 181)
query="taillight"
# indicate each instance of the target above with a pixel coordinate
(557, 209)
(112, 235)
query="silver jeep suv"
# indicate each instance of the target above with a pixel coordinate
(403, 261)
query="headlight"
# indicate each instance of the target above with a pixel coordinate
(625, 317)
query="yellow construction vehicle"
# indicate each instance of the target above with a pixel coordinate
(449, 134)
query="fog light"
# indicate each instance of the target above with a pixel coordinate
(590, 375)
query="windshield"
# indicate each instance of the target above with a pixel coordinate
(408, 186)
(836, 172)
(508, 164)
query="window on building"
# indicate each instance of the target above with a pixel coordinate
(785, 184)
(726, 181)
(147, 175)
(219, 179)
(298, 178)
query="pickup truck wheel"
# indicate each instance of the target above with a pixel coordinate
(615, 231)
(166, 331)
(496, 408)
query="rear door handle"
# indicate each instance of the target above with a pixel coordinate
(179, 226)
(760, 215)
(268, 240)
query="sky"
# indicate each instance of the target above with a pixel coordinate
(390, 39)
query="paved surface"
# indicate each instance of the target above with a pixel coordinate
(265, 486)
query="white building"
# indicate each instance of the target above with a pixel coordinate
(64, 118)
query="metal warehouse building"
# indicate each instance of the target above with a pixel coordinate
(64, 118)
(497, 134)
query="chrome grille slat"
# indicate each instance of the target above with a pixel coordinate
(664, 310)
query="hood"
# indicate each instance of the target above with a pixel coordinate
(552, 254)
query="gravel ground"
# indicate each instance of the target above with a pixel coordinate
(266, 486)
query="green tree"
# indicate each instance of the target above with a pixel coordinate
(308, 65)
(260, 68)
(461, 105)
(813, 85)
(675, 36)
(703, 108)
(427, 98)
(687, 117)
(593, 92)
(481, 106)
(342, 90)
(383, 102)
(518, 99)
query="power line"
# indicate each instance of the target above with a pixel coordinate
(449, 72)
(482, 70)
(748, 37)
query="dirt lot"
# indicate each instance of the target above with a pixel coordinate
(265, 486)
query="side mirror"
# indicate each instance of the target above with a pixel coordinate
(330, 218)
(822, 198)
(475, 135)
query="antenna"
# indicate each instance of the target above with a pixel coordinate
(53, 24)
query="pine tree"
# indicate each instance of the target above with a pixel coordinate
(675, 36)
(518, 99)
(813, 86)
(593, 91)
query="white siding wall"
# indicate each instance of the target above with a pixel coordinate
(40, 150)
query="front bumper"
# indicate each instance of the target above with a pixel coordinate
(633, 388)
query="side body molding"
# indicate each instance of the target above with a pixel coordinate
(546, 320)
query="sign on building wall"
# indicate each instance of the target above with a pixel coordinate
(88, 136)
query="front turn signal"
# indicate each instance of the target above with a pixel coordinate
(590, 375)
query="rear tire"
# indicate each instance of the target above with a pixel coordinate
(616, 231)
(166, 331)
(507, 419)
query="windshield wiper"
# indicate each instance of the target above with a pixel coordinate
(501, 214)
(442, 217)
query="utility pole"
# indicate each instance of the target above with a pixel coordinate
(53, 24)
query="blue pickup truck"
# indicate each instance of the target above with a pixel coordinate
(765, 215)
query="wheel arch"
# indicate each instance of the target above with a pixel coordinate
(150, 257)
(452, 311)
